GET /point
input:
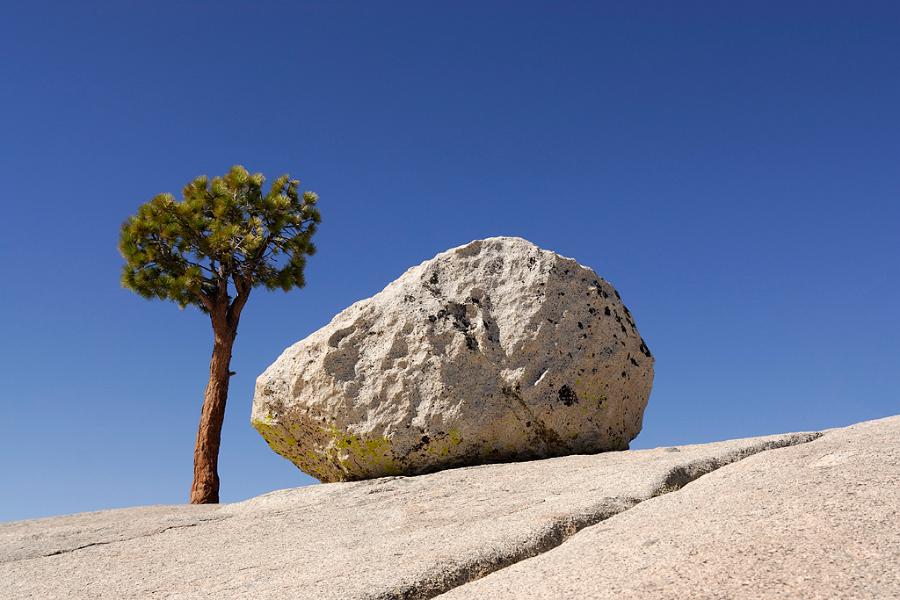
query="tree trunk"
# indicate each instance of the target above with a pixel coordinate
(205, 489)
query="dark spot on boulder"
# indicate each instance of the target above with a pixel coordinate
(606, 311)
(580, 326)
(434, 279)
(471, 342)
(460, 322)
(645, 349)
(567, 395)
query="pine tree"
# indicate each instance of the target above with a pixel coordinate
(210, 249)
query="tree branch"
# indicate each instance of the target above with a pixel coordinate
(243, 288)
(206, 301)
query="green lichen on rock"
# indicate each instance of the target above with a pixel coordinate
(277, 438)
(592, 392)
(371, 454)
(455, 438)
(329, 454)
(443, 445)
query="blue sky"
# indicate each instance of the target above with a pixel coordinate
(733, 170)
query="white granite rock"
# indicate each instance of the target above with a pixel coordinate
(494, 351)
(390, 538)
(813, 521)
(803, 515)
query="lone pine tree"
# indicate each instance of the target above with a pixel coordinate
(210, 249)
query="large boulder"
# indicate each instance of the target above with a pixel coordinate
(494, 351)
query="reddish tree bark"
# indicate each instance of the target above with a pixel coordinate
(225, 318)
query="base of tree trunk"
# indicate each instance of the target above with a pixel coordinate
(205, 488)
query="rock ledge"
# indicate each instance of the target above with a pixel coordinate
(802, 515)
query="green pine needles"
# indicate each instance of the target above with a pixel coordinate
(223, 231)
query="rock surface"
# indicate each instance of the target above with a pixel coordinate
(820, 520)
(493, 351)
(790, 516)
(360, 539)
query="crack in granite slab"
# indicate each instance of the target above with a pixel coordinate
(558, 532)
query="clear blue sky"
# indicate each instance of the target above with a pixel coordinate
(735, 172)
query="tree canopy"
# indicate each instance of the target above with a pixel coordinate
(223, 232)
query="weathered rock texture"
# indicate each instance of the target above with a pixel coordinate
(801, 515)
(821, 520)
(493, 351)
